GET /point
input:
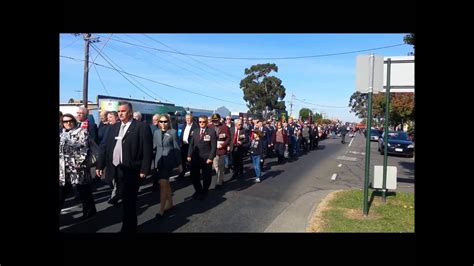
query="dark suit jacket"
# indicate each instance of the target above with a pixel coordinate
(245, 139)
(137, 149)
(200, 148)
(193, 127)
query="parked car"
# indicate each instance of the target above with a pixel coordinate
(375, 134)
(398, 143)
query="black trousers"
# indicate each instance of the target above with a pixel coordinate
(343, 136)
(184, 157)
(198, 165)
(130, 183)
(280, 151)
(237, 160)
(85, 195)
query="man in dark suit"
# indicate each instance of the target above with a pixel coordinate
(201, 153)
(128, 157)
(102, 127)
(239, 143)
(185, 139)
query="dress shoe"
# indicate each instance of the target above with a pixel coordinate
(218, 187)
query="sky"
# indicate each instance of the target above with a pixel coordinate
(323, 83)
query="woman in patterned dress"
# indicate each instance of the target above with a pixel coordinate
(73, 149)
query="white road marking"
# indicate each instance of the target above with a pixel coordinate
(66, 210)
(351, 142)
(353, 159)
(339, 165)
(333, 177)
(356, 152)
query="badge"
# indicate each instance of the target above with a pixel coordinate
(207, 138)
(220, 143)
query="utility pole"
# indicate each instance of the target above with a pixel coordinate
(87, 37)
(291, 104)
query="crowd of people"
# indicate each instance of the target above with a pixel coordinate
(130, 150)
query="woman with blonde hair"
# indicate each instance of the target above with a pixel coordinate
(167, 157)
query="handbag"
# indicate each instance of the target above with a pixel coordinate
(93, 154)
(286, 153)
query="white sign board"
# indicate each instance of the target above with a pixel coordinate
(402, 75)
(391, 182)
(366, 68)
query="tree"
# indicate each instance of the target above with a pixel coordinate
(378, 108)
(71, 100)
(305, 113)
(317, 117)
(410, 39)
(263, 93)
(358, 104)
(402, 108)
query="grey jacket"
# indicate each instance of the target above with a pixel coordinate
(167, 152)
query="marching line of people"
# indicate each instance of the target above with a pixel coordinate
(124, 151)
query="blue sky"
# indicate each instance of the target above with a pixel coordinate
(315, 82)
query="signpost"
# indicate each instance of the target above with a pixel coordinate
(369, 79)
(404, 81)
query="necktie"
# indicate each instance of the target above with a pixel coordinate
(236, 136)
(202, 134)
(117, 156)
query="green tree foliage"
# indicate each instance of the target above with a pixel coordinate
(317, 117)
(402, 107)
(305, 113)
(358, 104)
(261, 91)
(410, 39)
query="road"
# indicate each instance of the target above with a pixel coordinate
(282, 202)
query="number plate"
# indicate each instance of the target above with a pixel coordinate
(398, 149)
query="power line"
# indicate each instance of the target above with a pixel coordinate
(161, 99)
(197, 74)
(73, 42)
(327, 106)
(154, 81)
(193, 58)
(101, 80)
(102, 48)
(123, 75)
(261, 58)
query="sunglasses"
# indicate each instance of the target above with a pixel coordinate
(68, 121)
(202, 122)
(165, 121)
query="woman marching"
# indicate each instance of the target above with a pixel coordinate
(73, 150)
(168, 157)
